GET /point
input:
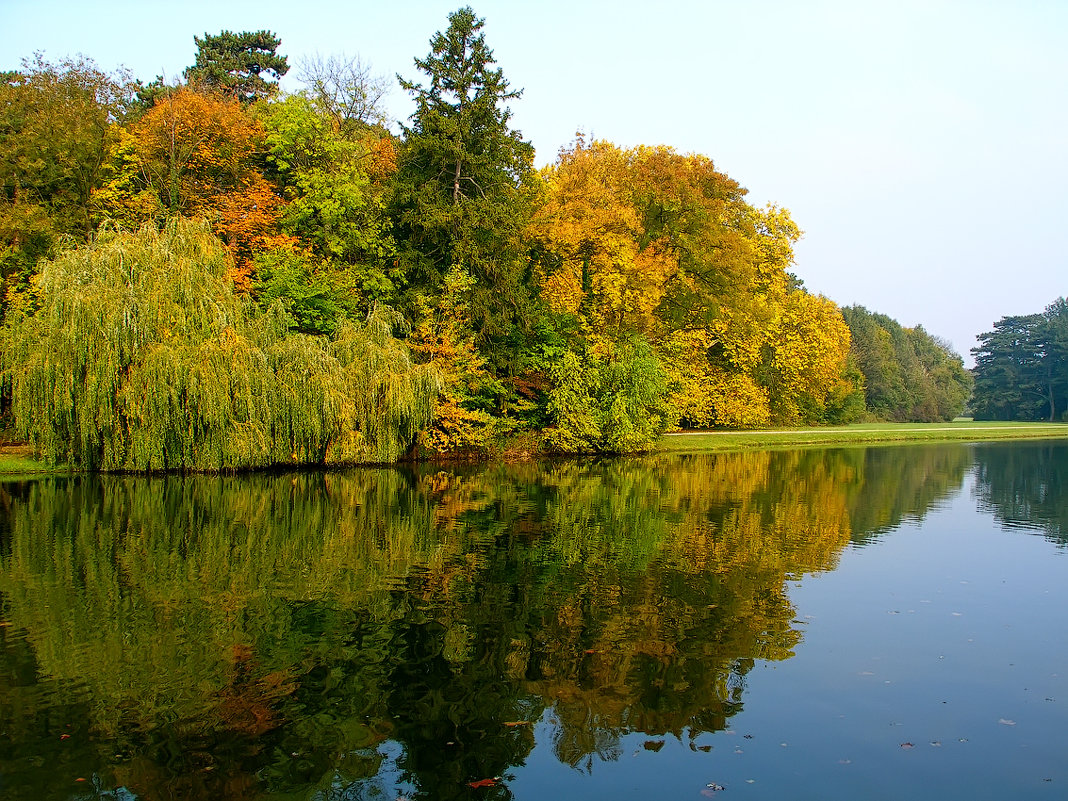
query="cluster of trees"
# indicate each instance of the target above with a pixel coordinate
(600, 300)
(1021, 367)
(909, 375)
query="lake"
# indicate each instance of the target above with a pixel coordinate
(852, 623)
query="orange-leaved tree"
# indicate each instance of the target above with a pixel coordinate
(197, 153)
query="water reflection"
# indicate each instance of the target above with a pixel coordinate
(1025, 487)
(387, 630)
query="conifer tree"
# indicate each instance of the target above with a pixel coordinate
(459, 198)
(236, 63)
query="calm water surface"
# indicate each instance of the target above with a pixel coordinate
(859, 623)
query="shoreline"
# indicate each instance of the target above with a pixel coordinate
(16, 459)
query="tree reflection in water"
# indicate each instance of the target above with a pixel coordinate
(372, 630)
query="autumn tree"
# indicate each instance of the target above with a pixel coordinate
(652, 242)
(198, 153)
(463, 420)
(245, 66)
(804, 370)
(459, 198)
(143, 357)
(58, 126)
(335, 178)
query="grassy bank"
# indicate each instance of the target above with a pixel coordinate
(15, 460)
(860, 434)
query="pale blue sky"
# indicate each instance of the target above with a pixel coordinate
(920, 144)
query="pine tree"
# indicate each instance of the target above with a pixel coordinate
(235, 64)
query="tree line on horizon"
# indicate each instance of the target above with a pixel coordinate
(215, 274)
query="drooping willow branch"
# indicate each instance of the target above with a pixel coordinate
(142, 357)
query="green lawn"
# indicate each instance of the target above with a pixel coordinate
(860, 433)
(16, 461)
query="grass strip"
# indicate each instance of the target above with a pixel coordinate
(859, 434)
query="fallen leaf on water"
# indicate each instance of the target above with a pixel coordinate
(484, 783)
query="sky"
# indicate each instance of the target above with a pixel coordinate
(921, 145)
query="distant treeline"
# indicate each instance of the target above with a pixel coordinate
(594, 303)
(909, 375)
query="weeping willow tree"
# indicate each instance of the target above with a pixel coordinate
(140, 356)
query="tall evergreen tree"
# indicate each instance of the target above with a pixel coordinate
(460, 198)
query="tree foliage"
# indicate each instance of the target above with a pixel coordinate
(614, 403)
(459, 196)
(58, 124)
(909, 375)
(658, 243)
(613, 294)
(335, 183)
(1021, 367)
(245, 65)
(462, 420)
(143, 358)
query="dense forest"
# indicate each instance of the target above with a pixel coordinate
(216, 274)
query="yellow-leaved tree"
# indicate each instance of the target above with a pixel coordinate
(652, 243)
